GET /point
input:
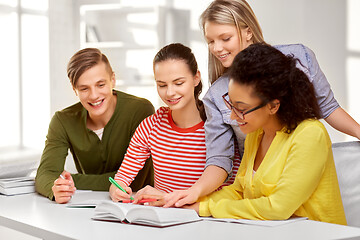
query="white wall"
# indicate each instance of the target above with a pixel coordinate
(320, 25)
(64, 41)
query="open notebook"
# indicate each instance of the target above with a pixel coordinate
(143, 215)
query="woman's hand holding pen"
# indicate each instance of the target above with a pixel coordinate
(117, 195)
(63, 188)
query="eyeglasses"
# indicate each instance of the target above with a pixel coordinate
(240, 114)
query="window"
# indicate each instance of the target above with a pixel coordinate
(25, 73)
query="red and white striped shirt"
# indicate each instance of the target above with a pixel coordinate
(178, 154)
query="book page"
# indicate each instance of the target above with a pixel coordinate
(111, 211)
(159, 216)
(144, 215)
(266, 223)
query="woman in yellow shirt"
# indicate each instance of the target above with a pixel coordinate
(288, 167)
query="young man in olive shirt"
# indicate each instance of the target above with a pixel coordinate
(97, 130)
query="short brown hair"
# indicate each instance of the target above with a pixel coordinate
(84, 60)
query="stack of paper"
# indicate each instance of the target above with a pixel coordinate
(18, 162)
(19, 185)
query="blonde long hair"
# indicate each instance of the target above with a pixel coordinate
(230, 12)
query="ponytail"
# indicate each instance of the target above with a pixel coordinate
(199, 104)
(301, 96)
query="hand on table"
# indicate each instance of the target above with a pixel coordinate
(63, 188)
(179, 198)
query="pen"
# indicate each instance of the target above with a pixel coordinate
(118, 186)
(145, 200)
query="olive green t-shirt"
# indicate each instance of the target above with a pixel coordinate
(95, 160)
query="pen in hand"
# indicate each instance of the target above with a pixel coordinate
(118, 186)
(63, 177)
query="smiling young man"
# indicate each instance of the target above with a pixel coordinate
(97, 130)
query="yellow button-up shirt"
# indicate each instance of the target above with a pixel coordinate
(296, 177)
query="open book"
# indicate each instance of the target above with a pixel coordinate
(144, 215)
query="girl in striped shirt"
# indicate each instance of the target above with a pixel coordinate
(174, 136)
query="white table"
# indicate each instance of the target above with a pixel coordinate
(38, 216)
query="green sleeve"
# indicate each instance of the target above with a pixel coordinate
(53, 158)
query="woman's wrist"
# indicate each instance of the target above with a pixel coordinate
(196, 190)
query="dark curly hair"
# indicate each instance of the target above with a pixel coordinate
(177, 51)
(274, 75)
